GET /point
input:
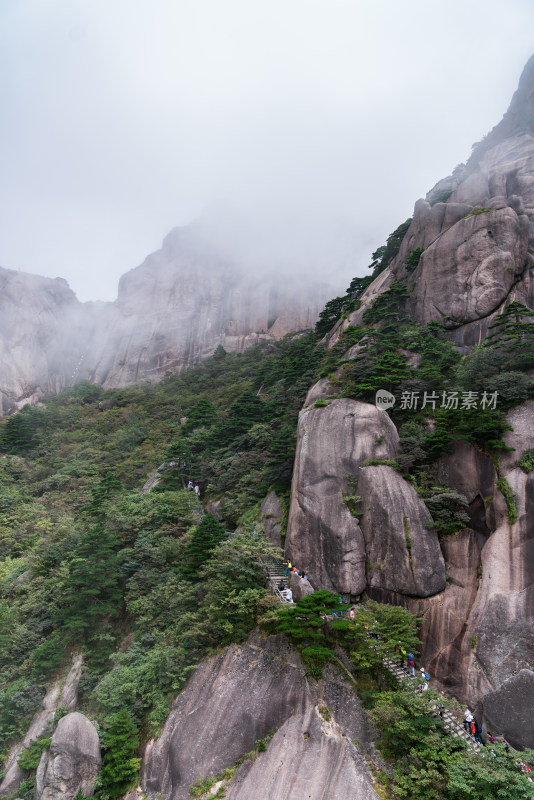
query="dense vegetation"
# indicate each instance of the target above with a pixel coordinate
(141, 583)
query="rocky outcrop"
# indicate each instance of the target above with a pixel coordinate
(382, 542)
(323, 536)
(509, 709)
(72, 762)
(272, 517)
(403, 554)
(307, 756)
(62, 694)
(248, 693)
(476, 231)
(40, 342)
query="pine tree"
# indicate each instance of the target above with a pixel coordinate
(119, 764)
(92, 589)
(106, 488)
(206, 536)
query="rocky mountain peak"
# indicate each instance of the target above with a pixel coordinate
(518, 120)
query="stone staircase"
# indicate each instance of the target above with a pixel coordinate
(450, 723)
(276, 572)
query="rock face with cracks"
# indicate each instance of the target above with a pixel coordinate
(73, 761)
(382, 541)
(62, 694)
(248, 693)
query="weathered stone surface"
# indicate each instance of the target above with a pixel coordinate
(233, 700)
(307, 758)
(469, 270)
(60, 694)
(36, 353)
(480, 632)
(323, 537)
(403, 554)
(271, 517)
(300, 587)
(508, 711)
(446, 638)
(319, 391)
(73, 761)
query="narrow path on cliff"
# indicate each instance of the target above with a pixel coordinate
(450, 723)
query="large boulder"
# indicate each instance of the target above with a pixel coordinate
(247, 693)
(388, 545)
(508, 711)
(309, 757)
(73, 761)
(271, 517)
(467, 272)
(445, 635)
(323, 536)
(62, 694)
(403, 553)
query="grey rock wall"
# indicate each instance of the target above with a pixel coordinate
(72, 762)
(387, 545)
(61, 694)
(245, 694)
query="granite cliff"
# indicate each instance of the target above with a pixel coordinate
(173, 310)
(474, 235)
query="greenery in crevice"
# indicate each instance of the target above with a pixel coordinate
(509, 498)
(413, 258)
(440, 197)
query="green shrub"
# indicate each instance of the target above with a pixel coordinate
(505, 489)
(476, 211)
(413, 259)
(526, 462)
(30, 756)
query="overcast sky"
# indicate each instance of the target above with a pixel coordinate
(322, 119)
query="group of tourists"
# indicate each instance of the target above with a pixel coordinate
(471, 726)
(292, 570)
(284, 590)
(194, 487)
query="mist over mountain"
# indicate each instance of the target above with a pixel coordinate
(199, 291)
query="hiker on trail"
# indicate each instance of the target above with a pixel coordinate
(402, 655)
(410, 661)
(426, 678)
(288, 594)
(491, 740)
(477, 731)
(441, 706)
(281, 586)
(289, 567)
(304, 576)
(197, 490)
(351, 613)
(190, 485)
(468, 719)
